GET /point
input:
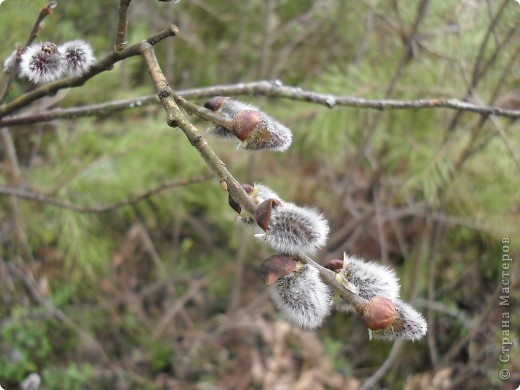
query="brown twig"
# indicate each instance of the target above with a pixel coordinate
(97, 110)
(42, 198)
(45, 11)
(102, 65)
(122, 26)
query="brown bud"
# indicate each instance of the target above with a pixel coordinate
(263, 212)
(335, 265)
(244, 123)
(379, 313)
(234, 205)
(276, 267)
(215, 103)
(248, 188)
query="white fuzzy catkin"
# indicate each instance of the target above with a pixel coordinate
(409, 324)
(40, 64)
(10, 62)
(296, 230)
(77, 57)
(369, 279)
(302, 297)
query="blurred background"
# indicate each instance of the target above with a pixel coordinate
(165, 292)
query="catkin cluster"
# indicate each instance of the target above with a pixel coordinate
(46, 62)
(293, 232)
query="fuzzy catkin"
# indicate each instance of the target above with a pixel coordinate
(369, 279)
(41, 62)
(409, 324)
(296, 230)
(302, 298)
(77, 57)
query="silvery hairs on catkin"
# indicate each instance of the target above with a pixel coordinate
(302, 297)
(77, 57)
(296, 230)
(369, 279)
(41, 62)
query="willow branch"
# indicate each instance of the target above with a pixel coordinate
(97, 110)
(175, 118)
(260, 88)
(106, 63)
(37, 26)
(122, 25)
(42, 198)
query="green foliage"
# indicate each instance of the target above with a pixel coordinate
(70, 377)
(25, 346)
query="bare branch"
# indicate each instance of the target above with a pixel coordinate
(176, 119)
(42, 198)
(102, 109)
(259, 88)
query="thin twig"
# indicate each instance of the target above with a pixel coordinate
(383, 369)
(97, 110)
(122, 25)
(42, 198)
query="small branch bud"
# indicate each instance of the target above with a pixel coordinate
(258, 194)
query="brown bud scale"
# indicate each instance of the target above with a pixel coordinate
(277, 266)
(244, 123)
(263, 213)
(379, 313)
